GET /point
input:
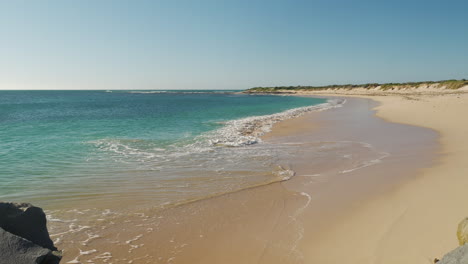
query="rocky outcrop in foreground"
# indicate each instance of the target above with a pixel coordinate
(460, 254)
(24, 238)
(456, 256)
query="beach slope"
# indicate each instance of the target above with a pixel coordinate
(415, 222)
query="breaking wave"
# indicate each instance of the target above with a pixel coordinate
(234, 133)
(247, 131)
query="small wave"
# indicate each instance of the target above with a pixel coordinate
(133, 239)
(87, 252)
(90, 237)
(105, 257)
(147, 92)
(283, 174)
(233, 133)
(52, 219)
(126, 147)
(182, 92)
(76, 260)
(247, 131)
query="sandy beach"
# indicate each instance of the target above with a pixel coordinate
(234, 132)
(416, 221)
(372, 184)
(324, 214)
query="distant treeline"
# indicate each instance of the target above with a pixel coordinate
(447, 84)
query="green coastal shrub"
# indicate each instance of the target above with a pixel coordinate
(447, 84)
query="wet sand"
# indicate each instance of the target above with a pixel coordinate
(294, 221)
(417, 221)
(329, 236)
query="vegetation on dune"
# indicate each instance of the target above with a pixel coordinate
(447, 84)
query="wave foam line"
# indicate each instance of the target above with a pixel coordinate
(368, 163)
(182, 92)
(247, 131)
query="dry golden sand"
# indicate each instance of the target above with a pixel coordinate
(417, 221)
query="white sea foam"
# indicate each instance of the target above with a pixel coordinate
(314, 178)
(181, 163)
(133, 239)
(105, 257)
(147, 92)
(124, 148)
(182, 92)
(367, 163)
(234, 133)
(77, 228)
(283, 174)
(309, 199)
(247, 131)
(50, 218)
(87, 252)
(90, 237)
(107, 212)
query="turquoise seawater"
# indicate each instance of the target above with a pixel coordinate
(160, 146)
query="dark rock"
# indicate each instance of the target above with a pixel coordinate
(24, 238)
(26, 221)
(456, 256)
(17, 250)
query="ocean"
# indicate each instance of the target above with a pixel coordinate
(184, 176)
(63, 149)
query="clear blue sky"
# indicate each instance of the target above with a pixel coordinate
(229, 45)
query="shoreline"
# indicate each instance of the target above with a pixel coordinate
(344, 196)
(416, 221)
(277, 223)
(241, 132)
(434, 200)
(91, 240)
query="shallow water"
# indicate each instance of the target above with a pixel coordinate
(61, 148)
(254, 220)
(118, 184)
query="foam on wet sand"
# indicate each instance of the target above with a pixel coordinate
(288, 221)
